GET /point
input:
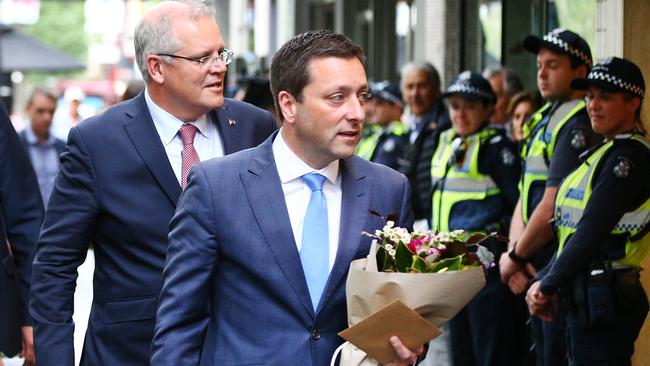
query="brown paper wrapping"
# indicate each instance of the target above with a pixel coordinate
(436, 297)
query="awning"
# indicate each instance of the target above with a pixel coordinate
(21, 52)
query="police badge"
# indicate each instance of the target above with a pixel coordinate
(622, 167)
(579, 140)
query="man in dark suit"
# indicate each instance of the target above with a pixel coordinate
(21, 214)
(43, 147)
(255, 274)
(121, 175)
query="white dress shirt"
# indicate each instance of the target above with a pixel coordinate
(297, 193)
(207, 141)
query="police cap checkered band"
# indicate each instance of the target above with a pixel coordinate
(564, 41)
(615, 74)
(471, 85)
(387, 91)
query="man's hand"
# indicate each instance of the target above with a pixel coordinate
(405, 356)
(540, 305)
(520, 280)
(507, 267)
(28, 346)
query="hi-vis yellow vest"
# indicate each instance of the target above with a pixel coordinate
(572, 198)
(538, 149)
(368, 144)
(453, 184)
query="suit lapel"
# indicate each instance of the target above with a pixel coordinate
(354, 213)
(229, 128)
(146, 140)
(263, 188)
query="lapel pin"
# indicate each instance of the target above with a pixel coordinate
(232, 122)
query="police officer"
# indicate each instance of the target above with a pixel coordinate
(602, 214)
(474, 173)
(553, 140)
(389, 137)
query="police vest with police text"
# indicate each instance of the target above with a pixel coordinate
(460, 181)
(538, 149)
(572, 198)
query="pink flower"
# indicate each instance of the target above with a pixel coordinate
(415, 244)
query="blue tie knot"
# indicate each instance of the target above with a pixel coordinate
(314, 181)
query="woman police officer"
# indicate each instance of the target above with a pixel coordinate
(602, 211)
(474, 173)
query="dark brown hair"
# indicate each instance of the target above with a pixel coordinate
(290, 65)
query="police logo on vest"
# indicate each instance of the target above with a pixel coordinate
(622, 167)
(579, 140)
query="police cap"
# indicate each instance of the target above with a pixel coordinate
(562, 41)
(614, 74)
(472, 86)
(388, 92)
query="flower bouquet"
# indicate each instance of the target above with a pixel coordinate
(433, 274)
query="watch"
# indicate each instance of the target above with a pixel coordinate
(517, 259)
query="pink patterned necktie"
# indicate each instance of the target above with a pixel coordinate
(189, 157)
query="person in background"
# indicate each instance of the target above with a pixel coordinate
(505, 84)
(425, 116)
(70, 113)
(256, 275)
(556, 135)
(522, 106)
(133, 88)
(388, 140)
(43, 148)
(602, 220)
(21, 215)
(474, 171)
(121, 176)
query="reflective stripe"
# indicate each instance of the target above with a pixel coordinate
(469, 185)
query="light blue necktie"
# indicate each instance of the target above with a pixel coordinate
(314, 252)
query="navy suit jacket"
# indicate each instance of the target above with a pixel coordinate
(117, 190)
(234, 289)
(21, 214)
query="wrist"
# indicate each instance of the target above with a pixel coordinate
(515, 257)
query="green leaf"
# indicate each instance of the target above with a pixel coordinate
(451, 264)
(403, 258)
(419, 265)
(382, 259)
(454, 249)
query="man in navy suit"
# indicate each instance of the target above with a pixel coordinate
(43, 147)
(121, 175)
(262, 240)
(21, 214)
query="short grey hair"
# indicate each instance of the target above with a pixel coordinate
(512, 83)
(427, 67)
(156, 36)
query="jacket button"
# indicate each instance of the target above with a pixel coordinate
(315, 334)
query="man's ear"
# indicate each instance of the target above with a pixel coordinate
(288, 105)
(155, 67)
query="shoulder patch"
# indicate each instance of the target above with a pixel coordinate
(622, 167)
(507, 157)
(578, 139)
(389, 145)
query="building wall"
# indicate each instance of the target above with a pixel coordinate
(636, 47)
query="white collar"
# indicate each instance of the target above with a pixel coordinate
(291, 167)
(167, 124)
